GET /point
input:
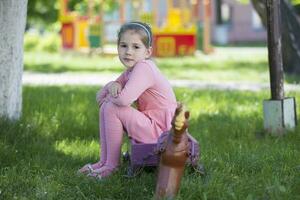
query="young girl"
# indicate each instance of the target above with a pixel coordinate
(141, 82)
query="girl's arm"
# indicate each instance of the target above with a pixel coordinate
(122, 79)
(102, 94)
(141, 79)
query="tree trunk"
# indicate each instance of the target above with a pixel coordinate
(12, 25)
(275, 49)
(290, 43)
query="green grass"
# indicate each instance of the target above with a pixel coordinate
(226, 64)
(234, 64)
(58, 133)
(65, 62)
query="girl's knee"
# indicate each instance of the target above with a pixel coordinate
(108, 107)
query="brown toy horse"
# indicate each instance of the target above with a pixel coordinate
(173, 159)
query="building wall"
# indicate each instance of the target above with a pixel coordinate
(241, 27)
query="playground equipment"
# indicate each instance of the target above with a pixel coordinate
(178, 34)
(79, 32)
(176, 25)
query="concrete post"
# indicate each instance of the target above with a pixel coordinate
(279, 112)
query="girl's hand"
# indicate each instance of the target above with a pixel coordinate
(99, 97)
(115, 89)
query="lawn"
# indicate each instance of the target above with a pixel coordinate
(226, 64)
(58, 133)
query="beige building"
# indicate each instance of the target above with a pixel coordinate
(235, 22)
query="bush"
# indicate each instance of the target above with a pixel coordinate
(47, 42)
(31, 41)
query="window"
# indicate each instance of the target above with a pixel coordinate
(256, 21)
(223, 12)
(226, 12)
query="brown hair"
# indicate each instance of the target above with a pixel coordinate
(141, 28)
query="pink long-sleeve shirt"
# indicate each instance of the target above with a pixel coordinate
(155, 98)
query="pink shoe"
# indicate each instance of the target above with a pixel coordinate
(90, 168)
(102, 173)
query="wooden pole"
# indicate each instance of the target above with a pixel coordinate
(90, 8)
(122, 11)
(63, 8)
(207, 19)
(274, 49)
(102, 22)
(196, 11)
(169, 4)
(155, 12)
(182, 8)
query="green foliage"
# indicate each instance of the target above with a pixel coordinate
(244, 1)
(31, 42)
(295, 2)
(58, 133)
(42, 13)
(48, 42)
(81, 6)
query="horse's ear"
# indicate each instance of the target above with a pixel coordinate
(187, 114)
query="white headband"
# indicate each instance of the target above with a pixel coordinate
(143, 27)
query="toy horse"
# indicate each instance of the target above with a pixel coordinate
(174, 157)
(143, 155)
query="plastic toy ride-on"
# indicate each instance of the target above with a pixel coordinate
(142, 155)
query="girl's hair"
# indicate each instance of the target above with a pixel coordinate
(141, 28)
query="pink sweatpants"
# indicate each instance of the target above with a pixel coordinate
(113, 121)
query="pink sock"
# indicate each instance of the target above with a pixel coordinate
(102, 138)
(103, 144)
(113, 135)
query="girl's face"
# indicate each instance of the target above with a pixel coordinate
(131, 49)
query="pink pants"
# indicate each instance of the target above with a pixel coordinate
(113, 121)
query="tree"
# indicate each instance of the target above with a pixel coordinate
(38, 9)
(290, 43)
(12, 26)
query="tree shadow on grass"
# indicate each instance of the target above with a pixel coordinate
(52, 68)
(231, 151)
(33, 168)
(292, 78)
(41, 153)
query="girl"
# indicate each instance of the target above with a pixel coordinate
(141, 82)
